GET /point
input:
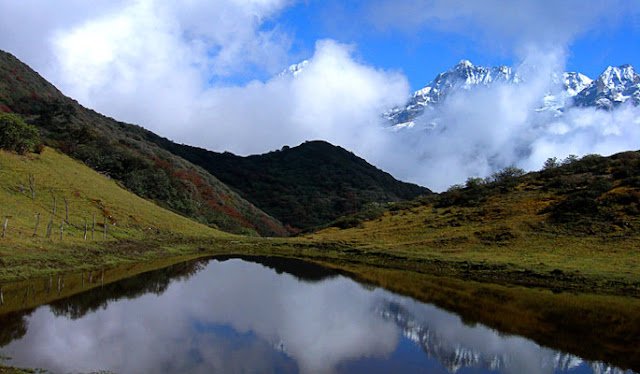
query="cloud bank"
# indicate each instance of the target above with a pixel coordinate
(180, 70)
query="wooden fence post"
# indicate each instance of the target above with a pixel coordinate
(4, 227)
(49, 228)
(66, 210)
(35, 231)
(32, 186)
(54, 200)
(85, 237)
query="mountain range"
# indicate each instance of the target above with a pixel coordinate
(614, 87)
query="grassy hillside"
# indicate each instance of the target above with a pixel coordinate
(129, 218)
(117, 149)
(304, 186)
(571, 226)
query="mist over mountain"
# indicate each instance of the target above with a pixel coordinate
(614, 87)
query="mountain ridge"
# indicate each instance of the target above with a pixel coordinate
(304, 186)
(615, 86)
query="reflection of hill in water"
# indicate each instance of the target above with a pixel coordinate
(301, 270)
(13, 326)
(455, 356)
(158, 281)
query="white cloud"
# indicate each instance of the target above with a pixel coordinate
(27, 26)
(319, 325)
(335, 98)
(150, 62)
(587, 131)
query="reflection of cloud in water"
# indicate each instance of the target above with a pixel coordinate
(230, 317)
(319, 325)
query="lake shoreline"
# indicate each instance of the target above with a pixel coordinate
(33, 263)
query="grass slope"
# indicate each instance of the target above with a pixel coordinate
(570, 227)
(130, 219)
(117, 149)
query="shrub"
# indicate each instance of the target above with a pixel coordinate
(16, 135)
(474, 182)
(347, 222)
(507, 173)
(551, 163)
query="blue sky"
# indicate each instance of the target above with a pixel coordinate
(424, 52)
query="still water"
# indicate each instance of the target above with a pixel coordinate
(266, 316)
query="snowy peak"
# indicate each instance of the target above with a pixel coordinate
(295, 69)
(575, 82)
(615, 86)
(616, 77)
(464, 75)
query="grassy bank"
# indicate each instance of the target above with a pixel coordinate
(504, 240)
(49, 201)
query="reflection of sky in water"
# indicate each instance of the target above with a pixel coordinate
(242, 317)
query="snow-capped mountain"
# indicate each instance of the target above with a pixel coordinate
(614, 86)
(295, 69)
(464, 76)
(565, 90)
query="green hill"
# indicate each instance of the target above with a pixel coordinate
(574, 225)
(304, 186)
(116, 149)
(33, 241)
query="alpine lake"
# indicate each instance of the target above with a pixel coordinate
(261, 314)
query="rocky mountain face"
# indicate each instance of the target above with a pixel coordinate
(615, 86)
(464, 76)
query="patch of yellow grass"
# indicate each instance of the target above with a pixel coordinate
(506, 230)
(87, 193)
